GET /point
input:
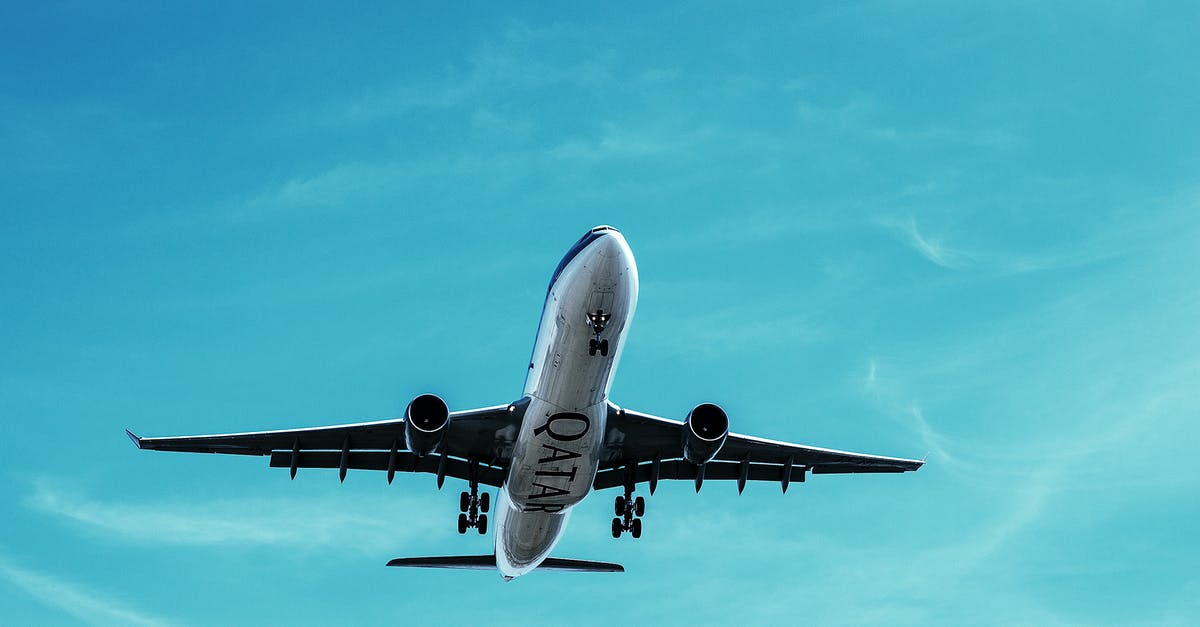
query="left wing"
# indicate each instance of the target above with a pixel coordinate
(477, 443)
(641, 447)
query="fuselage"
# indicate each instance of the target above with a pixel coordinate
(589, 305)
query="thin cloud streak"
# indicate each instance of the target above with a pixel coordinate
(512, 62)
(931, 249)
(87, 605)
(279, 521)
(731, 330)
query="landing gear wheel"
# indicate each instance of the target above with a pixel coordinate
(592, 346)
(462, 523)
(639, 507)
(619, 506)
(485, 502)
(604, 348)
(482, 526)
(616, 528)
(636, 528)
(464, 501)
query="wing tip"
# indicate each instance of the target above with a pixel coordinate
(135, 439)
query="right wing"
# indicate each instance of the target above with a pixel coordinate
(641, 447)
(477, 442)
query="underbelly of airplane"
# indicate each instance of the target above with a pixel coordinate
(557, 452)
(556, 459)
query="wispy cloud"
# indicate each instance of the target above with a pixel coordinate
(511, 62)
(860, 116)
(733, 330)
(277, 521)
(933, 440)
(616, 141)
(90, 606)
(930, 248)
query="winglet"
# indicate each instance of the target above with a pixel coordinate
(136, 440)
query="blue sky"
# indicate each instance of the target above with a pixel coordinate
(961, 230)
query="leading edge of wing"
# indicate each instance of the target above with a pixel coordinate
(737, 446)
(237, 443)
(139, 440)
(882, 460)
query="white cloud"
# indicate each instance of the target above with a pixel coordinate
(934, 441)
(307, 523)
(709, 334)
(860, 116)
(512, 64)
(930, 248)
(87, 605)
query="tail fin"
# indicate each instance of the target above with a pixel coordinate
(488, 562)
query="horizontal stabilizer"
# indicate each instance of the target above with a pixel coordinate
(488, 562)
(466, 562)
(580, 566)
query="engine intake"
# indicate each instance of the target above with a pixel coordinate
(704, 432)
(425, 422)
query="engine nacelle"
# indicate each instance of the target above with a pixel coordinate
(425, 422)
(704, 432)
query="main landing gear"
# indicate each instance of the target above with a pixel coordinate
(597, 321)
(474, 507)
(629, 511)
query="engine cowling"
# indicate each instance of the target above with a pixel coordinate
(425, 422)
(704, 432)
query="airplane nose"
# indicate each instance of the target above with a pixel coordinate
(610, 245)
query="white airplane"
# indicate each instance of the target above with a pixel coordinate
(561, 440)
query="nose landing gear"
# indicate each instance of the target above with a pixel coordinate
(629, 512)
(474, 507)
(597, 320)
(600, 346)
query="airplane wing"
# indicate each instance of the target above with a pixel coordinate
(645, 448)
(477, 442)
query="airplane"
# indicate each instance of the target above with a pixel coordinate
(561, 440)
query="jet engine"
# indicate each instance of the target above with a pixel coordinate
(425, 423)
(704, 432)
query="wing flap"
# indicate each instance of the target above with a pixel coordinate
(683, 470)
(378, 460)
